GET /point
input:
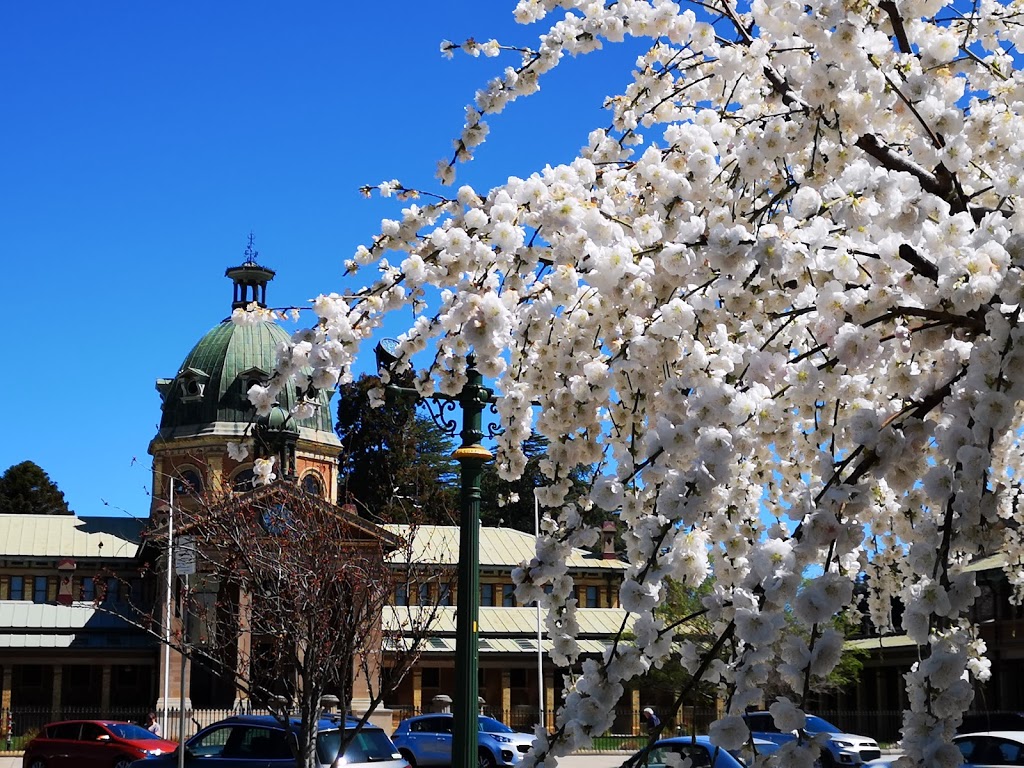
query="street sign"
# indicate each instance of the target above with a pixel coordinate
(185, 556)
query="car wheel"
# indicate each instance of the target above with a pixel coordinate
(485, 759)
(827, 761)
(37, 763)
(407, 756)
(123, 762)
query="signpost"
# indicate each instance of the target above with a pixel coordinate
(184, 566)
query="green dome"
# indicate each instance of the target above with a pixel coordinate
(212, 383)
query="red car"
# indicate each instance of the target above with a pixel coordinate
(93, 744)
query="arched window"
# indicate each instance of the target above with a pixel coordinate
(188, 482)
(243, 480)
(312, 484)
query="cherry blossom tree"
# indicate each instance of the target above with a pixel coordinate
(777, 299)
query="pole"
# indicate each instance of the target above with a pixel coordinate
(541, 700)
(181, 684)
(471, 457)
(167, 608)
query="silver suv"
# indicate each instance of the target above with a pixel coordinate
(841, 749)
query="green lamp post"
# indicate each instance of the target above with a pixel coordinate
(471, 456)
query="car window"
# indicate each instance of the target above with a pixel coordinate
(212, 742)
(433, 725)
(988, 750)
(762, 723)
(92, 732)
(63, 731)
(257, 742)
(370, 745)
(130, 731)
(818, 725)
(490, 725)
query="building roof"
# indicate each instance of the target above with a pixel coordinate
(503, 548)
(25, 624)
(211, 386)
(499, 621)
(55, 536)
(505, 630)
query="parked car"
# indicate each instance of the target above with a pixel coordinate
(699, 749)
(987, 749)
(92, 744)
(262, 741)
(840, 748)
(427, 740)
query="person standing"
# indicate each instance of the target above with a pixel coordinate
(650, 720)
(152, 725)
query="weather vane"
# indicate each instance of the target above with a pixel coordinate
(250, 252)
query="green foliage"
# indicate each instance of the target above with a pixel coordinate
(396, 463)
(25, 489)
(510, 504)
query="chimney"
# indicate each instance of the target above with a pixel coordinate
(608, 530)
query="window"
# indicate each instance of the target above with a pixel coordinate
(17, 588)
(590, 598)
(433, 725)
(401, 594)
(212, 743)
(188, 483)
(243, 481)
(423, 595)
(444, 594)
(88, 588)
(508, 595)
(311, 484)
(113, 593)
(486, 594)
(39, 585)
(92, 732)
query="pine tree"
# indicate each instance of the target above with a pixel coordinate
(26, 489)
(396, 463)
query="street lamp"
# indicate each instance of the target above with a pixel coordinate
(471, 456)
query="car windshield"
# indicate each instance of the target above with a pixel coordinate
(370, 745)
(130, 731)
(490, 725)
(818, 725)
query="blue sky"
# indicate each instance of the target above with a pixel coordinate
(142, 143)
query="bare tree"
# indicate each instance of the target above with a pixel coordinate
(287, 602)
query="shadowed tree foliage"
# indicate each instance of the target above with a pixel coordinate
(396, 463)
(25, 489)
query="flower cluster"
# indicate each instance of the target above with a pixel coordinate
(777, 302)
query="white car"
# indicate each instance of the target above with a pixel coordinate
(840, 749)
(985, 749)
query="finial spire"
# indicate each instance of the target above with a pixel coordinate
(250, 279)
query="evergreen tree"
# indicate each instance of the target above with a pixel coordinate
(510, 504)
(396, 464)
(26, 489)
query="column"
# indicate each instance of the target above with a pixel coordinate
(506, 695)
(105, 675)
(8, 684)
(58, 685)
(417, 691)
(549, 700)
(243, 648)
(635, 695)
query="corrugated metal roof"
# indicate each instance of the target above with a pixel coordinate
(19, 615)
(889, 641)
(497, 621)
(499, 547)
(26, 536)
(447, 645)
